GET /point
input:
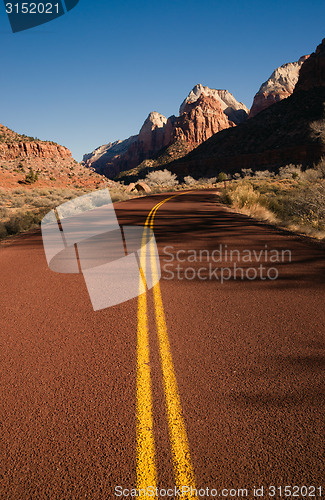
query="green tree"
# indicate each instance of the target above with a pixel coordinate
(222, 177)
(31, 177)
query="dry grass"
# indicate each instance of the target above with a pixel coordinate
(295, 203)
(22, 209)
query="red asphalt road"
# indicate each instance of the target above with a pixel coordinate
(248, 355)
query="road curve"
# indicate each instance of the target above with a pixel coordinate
(236, 368)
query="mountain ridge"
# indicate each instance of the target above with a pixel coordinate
(289, 131)
(52, 163)
(278, 86)
(204, 112)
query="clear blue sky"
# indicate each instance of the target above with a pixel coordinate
(93, 75)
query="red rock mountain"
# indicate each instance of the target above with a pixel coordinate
(279, 86)
(13, 145)
(312, 73)
(203, 113)
(54, 163)
(236, 111)
(290, 131)
(199, 121)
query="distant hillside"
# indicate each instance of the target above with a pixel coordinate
(280, 85)
(51, 164)
(289, 131)
(166, 155)
(203, 113)
(9, 136)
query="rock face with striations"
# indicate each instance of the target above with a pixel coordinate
(280, 85)
(203, 113)
(236, 111)
(33, 150)
(13, 145)
(151, 135)
(151, 139)
(198, 121)
(290, 131)
(106, 154)
(53, 163)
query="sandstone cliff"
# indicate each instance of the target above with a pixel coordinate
(203, 113)
(106, 154)
(199, 120)
(236, 111)
(290, 131)
(312, 73)
(53, 163)
(33, 149)
(279, 86)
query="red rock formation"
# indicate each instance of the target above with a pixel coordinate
(151, 135)
(199, 121)
(279, 86)
(290, 131)
(32, 149)
(236, 111)
(53, 163)
(312, 73)
(203, 113)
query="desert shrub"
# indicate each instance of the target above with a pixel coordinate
(308, 205)
(31, 177)
(311, 175)
(5, 196)
(23, 221)
(161, 178)
(321, 167)
(248, 200)
(242, 195)
(247, 172)
(28, 198)
(3, 231)
(19, 191)
(17, 203)
(117, 195)
(290, 172)
(189, 181)
(263, 174)
(299, 205)
(236, 176)
(222, 176)
(206, 181)
(3, 213)
(46, 202)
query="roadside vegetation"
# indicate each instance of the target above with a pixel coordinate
(293, 198)
(163, 180)
(23, 208)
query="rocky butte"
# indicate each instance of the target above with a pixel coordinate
(291, 130)
(280, 85)
(53, 163)
(202, 114)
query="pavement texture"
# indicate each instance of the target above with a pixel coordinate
(236, 369)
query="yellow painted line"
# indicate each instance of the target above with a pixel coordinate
(145, 454)
(183, 468)
(146, 470)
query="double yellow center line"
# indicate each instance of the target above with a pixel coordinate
(146, 454)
